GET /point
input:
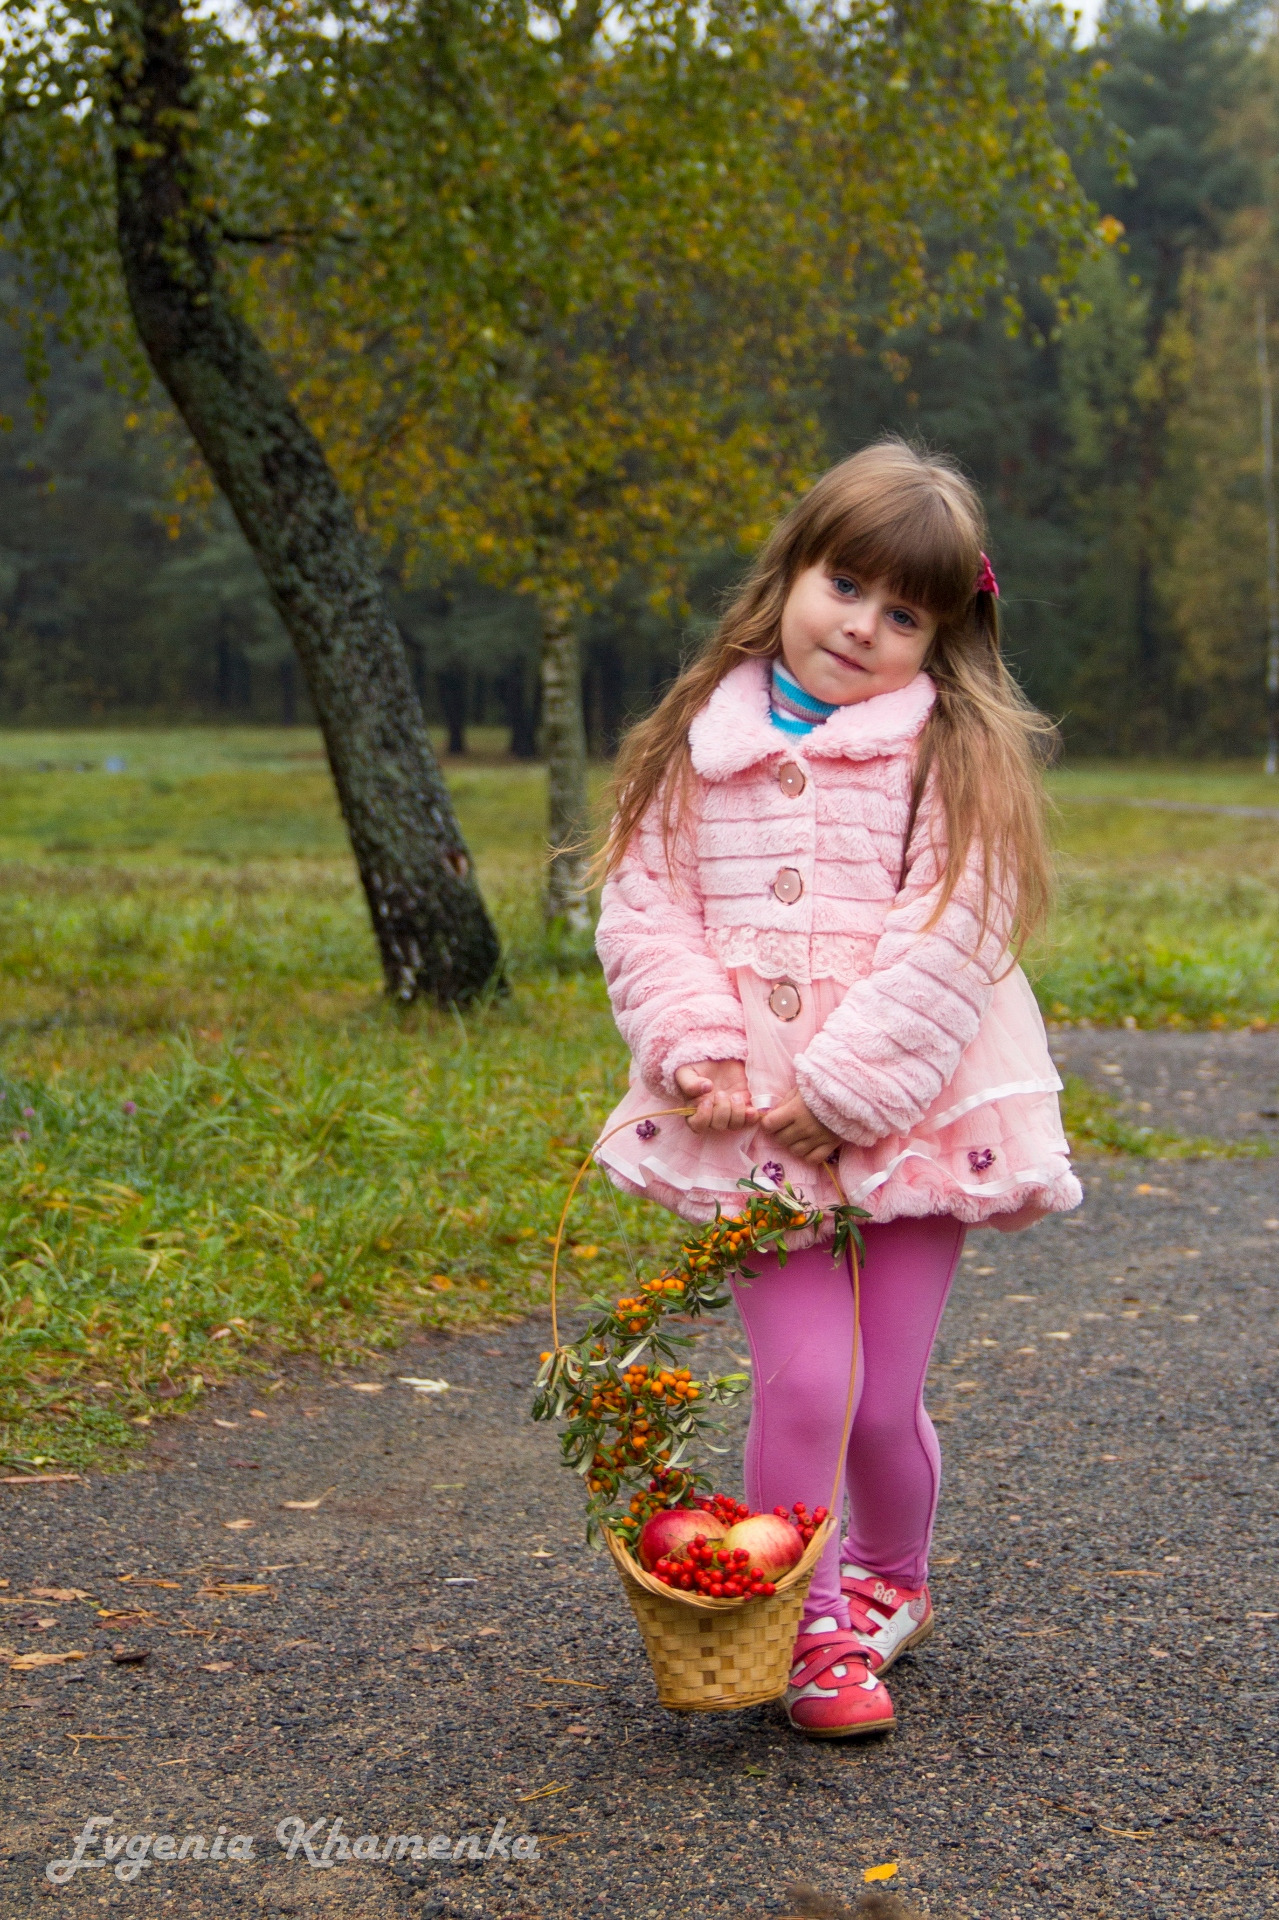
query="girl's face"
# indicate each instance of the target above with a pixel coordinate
(846, 640)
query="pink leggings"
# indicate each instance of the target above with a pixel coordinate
(799, 1321)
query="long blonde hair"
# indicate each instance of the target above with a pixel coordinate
(911, 519)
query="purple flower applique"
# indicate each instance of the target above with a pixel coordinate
(980, 1159)
(647, 1130)
(773, 1169)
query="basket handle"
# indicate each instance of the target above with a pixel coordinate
(835, 1504)
(663, 1114)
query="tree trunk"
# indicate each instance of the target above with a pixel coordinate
(288, 692)
(564, 744)
(222, 666)
(452, 684)
(519, 702)
(417, 666)
(429, 919)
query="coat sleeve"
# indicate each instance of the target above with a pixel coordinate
(673, 1001)
(895, 1040)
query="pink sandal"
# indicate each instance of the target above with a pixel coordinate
(833, 1693)
(888, 1618)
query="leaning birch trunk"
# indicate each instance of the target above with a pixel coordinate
(564, 745)
(432, 930)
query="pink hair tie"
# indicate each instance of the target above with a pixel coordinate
(986, 581)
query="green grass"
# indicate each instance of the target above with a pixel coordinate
(1215, 783)
(219, 1143)
(1163, 919)
(1094, 1124)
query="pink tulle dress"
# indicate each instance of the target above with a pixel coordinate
(990, 1143)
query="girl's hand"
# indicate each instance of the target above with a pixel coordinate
(721, 1095)
(800, 1131)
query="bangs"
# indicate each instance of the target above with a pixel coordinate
(888, 515)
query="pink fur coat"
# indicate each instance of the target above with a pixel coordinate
(789, 932)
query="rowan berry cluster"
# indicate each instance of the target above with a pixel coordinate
(633, 1413)
(804, 1522)
(721, 1573)
(724, 1507)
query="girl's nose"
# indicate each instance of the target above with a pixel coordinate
(860, 625)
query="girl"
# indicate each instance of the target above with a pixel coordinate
(828, 836)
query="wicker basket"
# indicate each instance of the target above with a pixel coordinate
(713, 1656)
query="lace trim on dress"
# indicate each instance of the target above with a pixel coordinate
(773, 954)
(1037, 1176)
(1050, 1178)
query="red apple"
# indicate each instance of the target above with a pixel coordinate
(774, 1545)
(670, 1531)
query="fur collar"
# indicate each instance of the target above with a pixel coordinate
(733, 730)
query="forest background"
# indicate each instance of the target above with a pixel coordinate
(1119, 454)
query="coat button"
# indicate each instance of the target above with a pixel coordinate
(788, 886)
(790, 779)
(784, 1000)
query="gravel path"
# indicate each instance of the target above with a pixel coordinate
(1092, 1731)
(1225, 1084)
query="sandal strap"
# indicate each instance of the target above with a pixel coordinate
(833, 1650)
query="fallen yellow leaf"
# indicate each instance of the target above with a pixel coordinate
(34, 1479)
(887, 1872)
(237, 1526)
(27, 1662)
(58, 1593)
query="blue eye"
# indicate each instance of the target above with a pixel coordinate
(843, 584)
(903, 619)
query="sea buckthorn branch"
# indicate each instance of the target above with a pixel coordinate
(633, 1414)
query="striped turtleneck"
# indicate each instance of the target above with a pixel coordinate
(793, 710)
